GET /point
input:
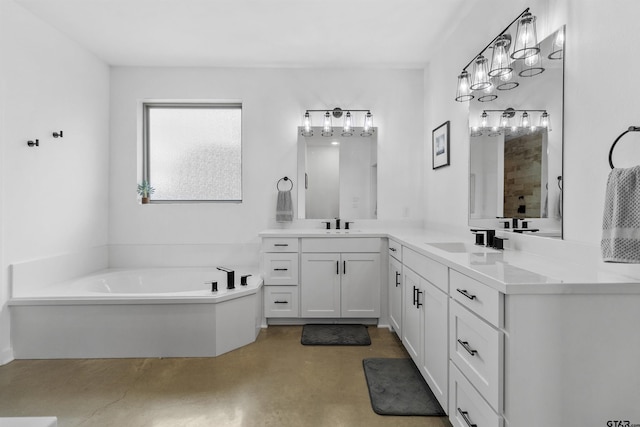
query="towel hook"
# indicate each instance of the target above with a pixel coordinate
(286, 178)
(631, 129)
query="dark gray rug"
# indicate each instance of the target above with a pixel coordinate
(335, 335)
(396, 387)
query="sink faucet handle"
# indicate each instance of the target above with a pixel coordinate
(506, 224)
(346, 224)
(328, 224)
(498, 242)
(525, 224)
(491, 234)
(243, 279)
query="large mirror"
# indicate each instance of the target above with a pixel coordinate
(338, 175)
(515, 146)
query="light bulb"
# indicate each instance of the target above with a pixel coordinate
(545, 121)
(348, 123)
(307, 122)
(368, 121)
(463, 92)
(525, 120)
(480, 74)
(326, 127)
(484, 119)
(532, 60)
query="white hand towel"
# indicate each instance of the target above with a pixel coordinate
(284, 207)
(621, 220)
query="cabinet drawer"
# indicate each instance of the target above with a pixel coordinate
(281, 301)
(341, 244)
(466, 406)
(433, 271)
(284, 244)
(477, 350)
(280, 269)
(486, 302)
(395, 250)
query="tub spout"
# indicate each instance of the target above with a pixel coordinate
(231, 277)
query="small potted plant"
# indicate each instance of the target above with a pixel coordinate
(145, 190)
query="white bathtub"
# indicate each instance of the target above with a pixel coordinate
(160, 312)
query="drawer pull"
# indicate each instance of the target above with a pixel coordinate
(466, 346)
(414, 295)
(418, 303)
(281, 244)
(344, 267)
(393, 249)
(466, 294)
(280, 269)
(465, 417)
(337, 267)
(281, 302)
(397, 279)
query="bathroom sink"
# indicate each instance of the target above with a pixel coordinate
(462, 247)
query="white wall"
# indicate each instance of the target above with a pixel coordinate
(54, 197)
(599, 104)
(274, 101)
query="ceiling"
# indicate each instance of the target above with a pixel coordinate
(255, 33)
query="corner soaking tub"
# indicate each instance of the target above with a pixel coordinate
(159, 312)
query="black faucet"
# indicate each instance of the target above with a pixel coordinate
(231, 277)
(491, 234)
(337, 223)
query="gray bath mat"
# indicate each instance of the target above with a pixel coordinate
(335, 335)
(397, 388)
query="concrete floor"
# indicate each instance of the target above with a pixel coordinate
(275, 381)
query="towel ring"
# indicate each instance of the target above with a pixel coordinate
(631, 129)
(286, 178)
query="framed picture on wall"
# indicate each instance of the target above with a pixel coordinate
(440, 145)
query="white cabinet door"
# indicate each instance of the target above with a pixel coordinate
(412, 320)
(320, 285)
(435, 362)
(395, 295)
(360, 293)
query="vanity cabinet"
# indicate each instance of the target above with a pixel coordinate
(426, 318)
(395, 286)
(281, 277)
(340, 277)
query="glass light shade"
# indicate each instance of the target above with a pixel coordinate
(524, 120)
(306, 122)
(545, 121)
(480, 74)
(558, 45)
(368, 122)
(500, 58)
(463, 92)
(532, 60)
(326, 127)
(348, 122)
(526, 43)
(484, 119)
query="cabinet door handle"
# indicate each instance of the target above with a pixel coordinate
(281, 244)
(465, 417)
(466, 294)
(418, 303)
(344, 267)
(393, 249)
(280, 269)
(466, 346)
(281, 302)
(337, 267)
(414, 295)
(397, 279)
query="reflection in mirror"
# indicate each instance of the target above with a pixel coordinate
(338, 175)
(515, 147)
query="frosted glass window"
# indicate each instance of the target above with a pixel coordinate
(194, 153)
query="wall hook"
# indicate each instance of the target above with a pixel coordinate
(35, 143)
(58, 134)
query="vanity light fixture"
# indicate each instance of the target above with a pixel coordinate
(506, 121)
(523, 48)
(348, 118)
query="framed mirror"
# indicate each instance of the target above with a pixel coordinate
(516, 146)
(338, 175)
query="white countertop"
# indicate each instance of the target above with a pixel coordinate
(509, 271)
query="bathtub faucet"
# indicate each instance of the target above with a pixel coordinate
(231, 276)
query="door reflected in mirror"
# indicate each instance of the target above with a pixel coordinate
(338, 175)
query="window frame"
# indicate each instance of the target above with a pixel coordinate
(147, 105)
